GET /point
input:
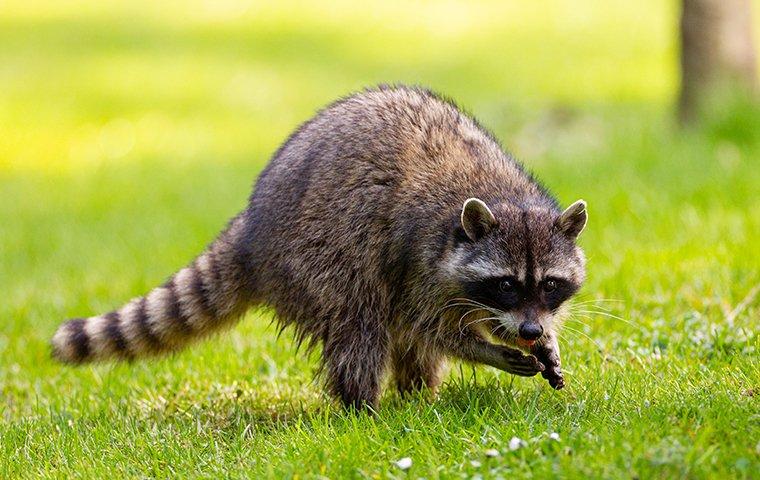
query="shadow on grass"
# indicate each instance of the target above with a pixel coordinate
(250, 411)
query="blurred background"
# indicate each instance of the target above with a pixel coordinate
(86, 83)
(130, 131)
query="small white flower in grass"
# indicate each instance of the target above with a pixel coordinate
(515, 443)
(492, 452)
(554, 436)
(475, 463)
(404, 463)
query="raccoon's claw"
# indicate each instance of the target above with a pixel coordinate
(553, 371)
(554, 375)
(520, 364)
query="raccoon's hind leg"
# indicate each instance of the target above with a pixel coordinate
(416, 367)
(355, 356)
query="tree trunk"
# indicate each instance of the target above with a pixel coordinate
(717, 55)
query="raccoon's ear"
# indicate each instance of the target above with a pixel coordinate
(572, 221)
(477, 219)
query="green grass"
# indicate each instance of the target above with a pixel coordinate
(129, 134)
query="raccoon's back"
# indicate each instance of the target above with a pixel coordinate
(369, 179)
(367, 157)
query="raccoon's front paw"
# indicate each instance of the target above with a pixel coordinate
(549, 356)
(516, 362)
(554, 376)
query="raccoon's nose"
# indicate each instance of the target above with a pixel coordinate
(530, 330)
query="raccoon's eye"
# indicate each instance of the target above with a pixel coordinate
(550, 285)
(506, 285)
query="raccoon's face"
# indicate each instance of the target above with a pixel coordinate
(519, 264)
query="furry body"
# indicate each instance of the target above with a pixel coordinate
(356, 236)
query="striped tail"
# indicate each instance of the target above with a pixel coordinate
(203, 297)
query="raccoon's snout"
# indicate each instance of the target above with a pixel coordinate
(530, 330)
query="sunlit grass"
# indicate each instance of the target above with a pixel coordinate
(130, 132)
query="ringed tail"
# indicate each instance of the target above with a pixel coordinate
(205, 296)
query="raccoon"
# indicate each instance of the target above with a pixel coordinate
(393, 231)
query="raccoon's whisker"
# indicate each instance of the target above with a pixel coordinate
(586, 297)
(496, 311)
(447, 306)
(598, 300)
(501, 325)
(489, 310)
(509, 335)
(565, 337)
(632, 325)
(461, 329)
(575, 334)
(591, 307)
(610, 315)
(575, 319)
(465, 299)
(593, 310)
(489, 318)
(576, 306)
(575, 315)
(575, 327)
(582, 315)
(568, 336)
(477, 320)
(468, 304)
(465, 304)
(474, 322)
(506, 336)
(496, 329)
(597, 344)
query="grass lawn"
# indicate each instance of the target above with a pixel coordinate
(130, 132)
